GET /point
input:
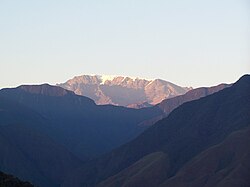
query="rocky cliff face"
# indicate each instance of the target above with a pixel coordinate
(123, 91)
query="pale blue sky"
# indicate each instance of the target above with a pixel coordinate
(188, 42)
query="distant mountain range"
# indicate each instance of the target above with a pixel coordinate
(53, 137)
(201, 143)
(123, 91)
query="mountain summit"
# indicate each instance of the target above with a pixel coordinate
(123, 91)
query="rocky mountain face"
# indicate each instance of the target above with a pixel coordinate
(123, 91)
(201, 143)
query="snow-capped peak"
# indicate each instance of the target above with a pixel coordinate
(104, 78)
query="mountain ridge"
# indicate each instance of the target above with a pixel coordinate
(168, 105)
(122, 90)
(67, 107)
(45, 89)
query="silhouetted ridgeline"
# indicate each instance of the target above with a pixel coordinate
(47, 131)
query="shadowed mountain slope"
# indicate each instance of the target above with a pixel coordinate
(26, 150)
(77, 122)
(44, 130)
(224, 165)
(168, 105)
(186, 132)
(33, 156)
(149, 171)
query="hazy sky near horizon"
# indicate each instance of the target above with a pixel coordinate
(188, 42)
